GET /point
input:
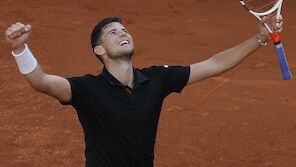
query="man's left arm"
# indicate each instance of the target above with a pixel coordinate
(229, 58)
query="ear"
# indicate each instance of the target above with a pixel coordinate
(99, 50)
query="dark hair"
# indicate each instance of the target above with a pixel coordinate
(97, 31)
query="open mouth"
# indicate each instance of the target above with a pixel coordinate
(125, 42)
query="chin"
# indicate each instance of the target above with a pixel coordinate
(128, 52)
(115, 52)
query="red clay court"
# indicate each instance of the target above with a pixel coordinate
(245, 117)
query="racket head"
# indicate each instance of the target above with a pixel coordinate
(261, 7)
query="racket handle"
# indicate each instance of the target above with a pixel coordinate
(283, 61)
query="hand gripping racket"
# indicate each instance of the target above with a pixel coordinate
(260, 8)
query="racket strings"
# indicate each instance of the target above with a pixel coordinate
(260, 6)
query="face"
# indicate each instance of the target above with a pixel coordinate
(117, 41)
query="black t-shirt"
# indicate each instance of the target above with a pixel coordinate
(120, 127)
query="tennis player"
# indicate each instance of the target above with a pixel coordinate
(120, 107)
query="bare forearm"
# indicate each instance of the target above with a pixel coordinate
(52, 85)
(38, 79)
(222, 61)
(231, 57)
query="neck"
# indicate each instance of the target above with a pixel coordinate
(122, 70)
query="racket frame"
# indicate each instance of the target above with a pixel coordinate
(286, 73)
(277, 6)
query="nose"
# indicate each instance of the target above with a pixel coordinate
(122, 34)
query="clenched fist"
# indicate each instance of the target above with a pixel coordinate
(17, 35)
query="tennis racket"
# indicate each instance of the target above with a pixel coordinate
(261, 8)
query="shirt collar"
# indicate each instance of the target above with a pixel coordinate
(139, 78)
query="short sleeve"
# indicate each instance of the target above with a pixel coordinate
(175, 78)
(79, 90)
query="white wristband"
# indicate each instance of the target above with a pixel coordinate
(25, 61)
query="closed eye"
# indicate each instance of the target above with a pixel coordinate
(112, 32)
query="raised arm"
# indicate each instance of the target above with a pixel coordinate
(229, 58)
(58, 87)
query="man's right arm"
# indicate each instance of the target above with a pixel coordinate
(52, 85)
(58, 87)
